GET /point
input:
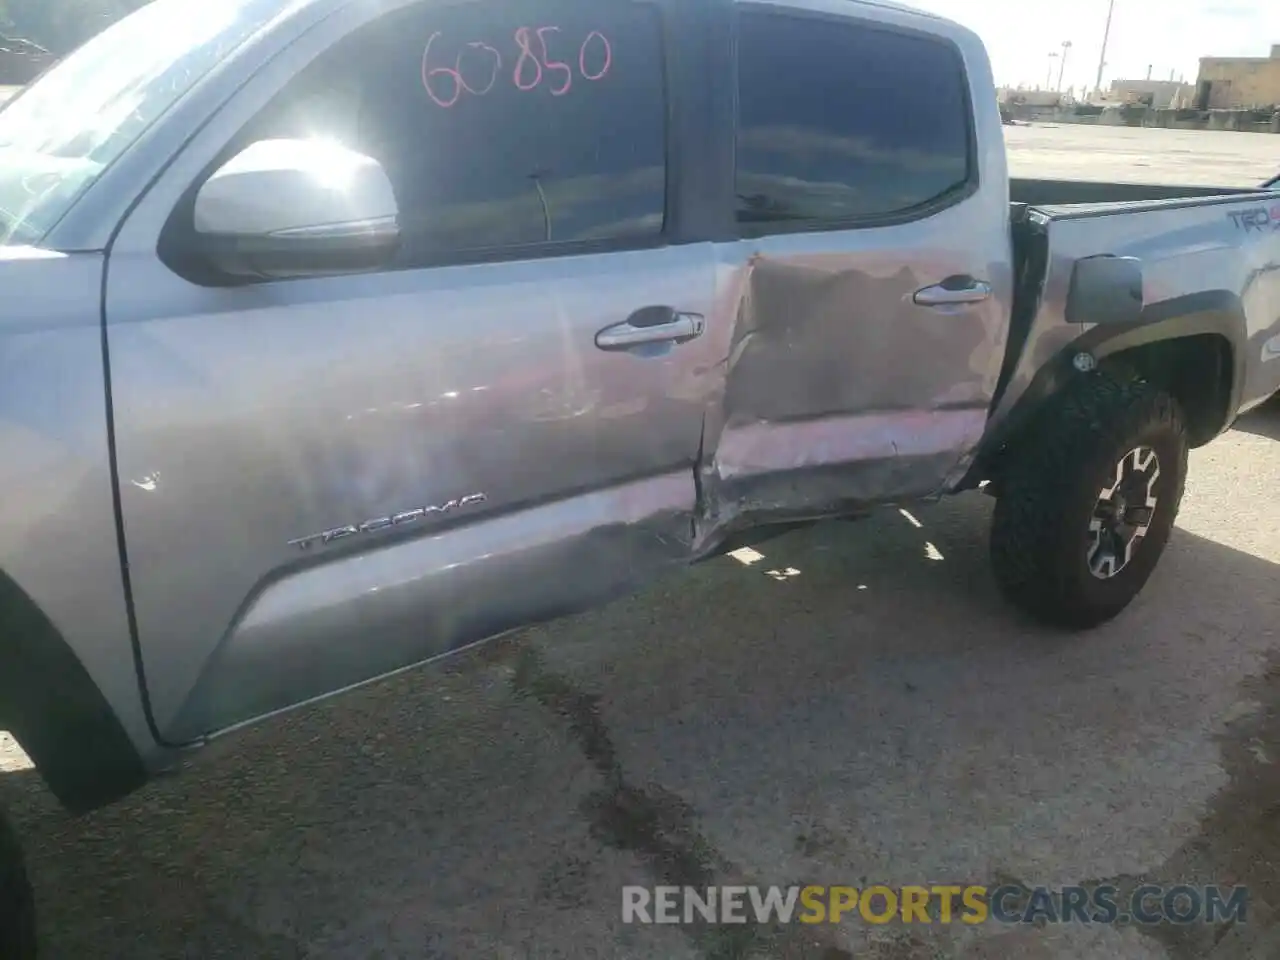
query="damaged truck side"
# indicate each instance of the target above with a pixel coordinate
(339, 335)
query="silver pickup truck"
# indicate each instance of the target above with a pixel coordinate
(338, 335)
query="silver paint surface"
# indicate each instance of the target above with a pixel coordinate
(282, 409)
(840, 390)
(246, 418)
(1184, 249)
(278, 410)
(370, 613)
(57, 525)
(274, 411)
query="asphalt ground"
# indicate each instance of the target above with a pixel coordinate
(856, 705)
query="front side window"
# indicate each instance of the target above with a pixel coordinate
(61, 133)
(840, 122)
(501, 125)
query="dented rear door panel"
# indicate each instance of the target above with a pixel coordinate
(839, 390)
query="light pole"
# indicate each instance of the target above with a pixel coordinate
(1062, 65)
(1048, 83)
(1102, 58)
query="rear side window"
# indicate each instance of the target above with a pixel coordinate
(841, 122)
(503, 125)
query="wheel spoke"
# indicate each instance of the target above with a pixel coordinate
(1123, 512)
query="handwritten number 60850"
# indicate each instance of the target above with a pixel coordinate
(531, 66)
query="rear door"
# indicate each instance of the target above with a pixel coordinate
(868, 296)
(526, 384)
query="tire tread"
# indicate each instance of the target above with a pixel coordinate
(17, 907)
(1031, 549)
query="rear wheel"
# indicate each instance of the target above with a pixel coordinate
(1088, 503)
(17, 909)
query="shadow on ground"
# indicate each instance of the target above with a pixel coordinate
(855, 701)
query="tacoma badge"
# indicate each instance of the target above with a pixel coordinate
(382, 523)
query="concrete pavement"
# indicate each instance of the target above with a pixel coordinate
(856, 706)
(1187, 157)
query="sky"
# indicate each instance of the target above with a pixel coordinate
(1167, 35)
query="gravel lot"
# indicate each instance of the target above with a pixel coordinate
(856, 706)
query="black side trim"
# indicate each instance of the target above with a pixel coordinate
(135, 639)
(52, 706)
(1040, 193)
(1031, 266)
(246, 260)
(1210, 312)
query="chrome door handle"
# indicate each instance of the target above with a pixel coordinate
(651, 325)
(954, 291)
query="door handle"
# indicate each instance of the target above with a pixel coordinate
(953, 291)
(651, 325)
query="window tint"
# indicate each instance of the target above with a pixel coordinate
(500, 124)
(840, 121)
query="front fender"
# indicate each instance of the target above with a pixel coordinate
(69, 687)
(56, 712)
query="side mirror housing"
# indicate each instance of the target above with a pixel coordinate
(296, 208)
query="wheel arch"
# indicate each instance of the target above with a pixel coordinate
(52, 706)
(1190, 346)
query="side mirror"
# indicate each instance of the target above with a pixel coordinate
(297, 208)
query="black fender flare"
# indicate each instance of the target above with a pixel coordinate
(52, 706)
(1214, 312)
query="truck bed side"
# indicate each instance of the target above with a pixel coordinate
(1208, 271)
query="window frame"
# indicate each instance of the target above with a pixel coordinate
(677, 228)
(955, 196)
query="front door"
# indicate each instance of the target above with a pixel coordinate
(323, 480)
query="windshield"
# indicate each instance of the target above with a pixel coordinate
(61, 133)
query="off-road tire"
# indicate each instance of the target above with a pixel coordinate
(17, 909)
(1040, 533)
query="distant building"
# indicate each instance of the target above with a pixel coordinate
(1155, 93)
(1233, 83)
(1028, 98)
